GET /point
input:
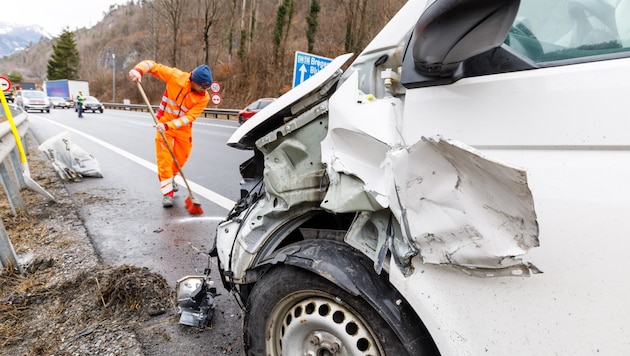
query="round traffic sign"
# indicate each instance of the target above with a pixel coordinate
(215, 87)
(216, 99)
(5, 84)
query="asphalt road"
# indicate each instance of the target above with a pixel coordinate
(127, 223)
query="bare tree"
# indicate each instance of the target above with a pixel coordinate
(355, 24)
(312, 23)
(171, 11)
(242, 33)
(209, 11)
(252, 23)
(231, 29)
(153, 30)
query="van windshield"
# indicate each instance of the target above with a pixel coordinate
(33, 94)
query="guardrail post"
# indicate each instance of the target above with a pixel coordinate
(24, 145)
(11, 189)
(15, 162)
(7, 253)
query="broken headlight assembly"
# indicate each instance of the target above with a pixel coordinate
(195, 300)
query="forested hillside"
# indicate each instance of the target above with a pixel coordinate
(249, 44)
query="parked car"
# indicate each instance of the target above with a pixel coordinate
(458, 189)
(59, 102)
(32, 100)
(91, 104)
(9, 96)
(253, 108)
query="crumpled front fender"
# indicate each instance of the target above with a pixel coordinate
(454, 205)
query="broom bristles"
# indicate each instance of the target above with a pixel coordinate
(193, 206)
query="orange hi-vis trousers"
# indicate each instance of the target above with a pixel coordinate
(167, 169)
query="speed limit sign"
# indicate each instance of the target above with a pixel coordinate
(216, 99)
(215, 87)
(5, 84)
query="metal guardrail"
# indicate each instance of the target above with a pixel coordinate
(12, 179)
(227, 114)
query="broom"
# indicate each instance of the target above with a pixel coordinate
(193, 205)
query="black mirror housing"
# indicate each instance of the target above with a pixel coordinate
(450, 32)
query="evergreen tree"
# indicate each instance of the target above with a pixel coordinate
(311, 24)
(15, 77)
(64, 63)
(281, 29)
(278, 29)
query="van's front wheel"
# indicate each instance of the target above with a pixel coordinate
(294, 312)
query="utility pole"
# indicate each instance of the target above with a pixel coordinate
(113, 78)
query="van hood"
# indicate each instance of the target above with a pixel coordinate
(292, 103)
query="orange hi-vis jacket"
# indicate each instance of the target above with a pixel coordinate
(180, 106)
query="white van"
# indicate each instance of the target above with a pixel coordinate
(459, 189)
(32, 100)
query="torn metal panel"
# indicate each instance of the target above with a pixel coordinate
(460, 207)
(360, 134)
(454, 205)
(293, 171)
(347, 194)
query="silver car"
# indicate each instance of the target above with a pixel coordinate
(32, 100)
(59, 102)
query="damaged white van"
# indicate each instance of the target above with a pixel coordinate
(459, 188)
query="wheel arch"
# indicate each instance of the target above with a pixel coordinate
(347, 268)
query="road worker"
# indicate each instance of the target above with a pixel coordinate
(80, 102)
(184, 99)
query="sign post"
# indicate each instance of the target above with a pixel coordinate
(306, 65)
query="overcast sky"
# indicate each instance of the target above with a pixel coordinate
(55, 15)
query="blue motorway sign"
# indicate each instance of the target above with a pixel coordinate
(306, 65)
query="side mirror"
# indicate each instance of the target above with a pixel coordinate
(451, 31)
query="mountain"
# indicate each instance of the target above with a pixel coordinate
(14, 38)
(237, 39)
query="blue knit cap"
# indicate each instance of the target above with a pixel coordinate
(202, 75)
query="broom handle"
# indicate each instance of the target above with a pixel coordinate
(179, 168)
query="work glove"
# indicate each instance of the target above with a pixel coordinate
(161, 127)
(135, 75)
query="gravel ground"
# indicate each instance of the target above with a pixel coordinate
(66, 302)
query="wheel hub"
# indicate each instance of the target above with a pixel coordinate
(324, 344)
(322, 327)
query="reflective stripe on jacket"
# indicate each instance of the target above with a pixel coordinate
(180, 106)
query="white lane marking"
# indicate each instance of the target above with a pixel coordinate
(216, 198)
(216, 125)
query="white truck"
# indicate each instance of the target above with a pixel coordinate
(67, 89)
(457, 189)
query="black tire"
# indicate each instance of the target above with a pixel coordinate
(241, 119)
(292, 311)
